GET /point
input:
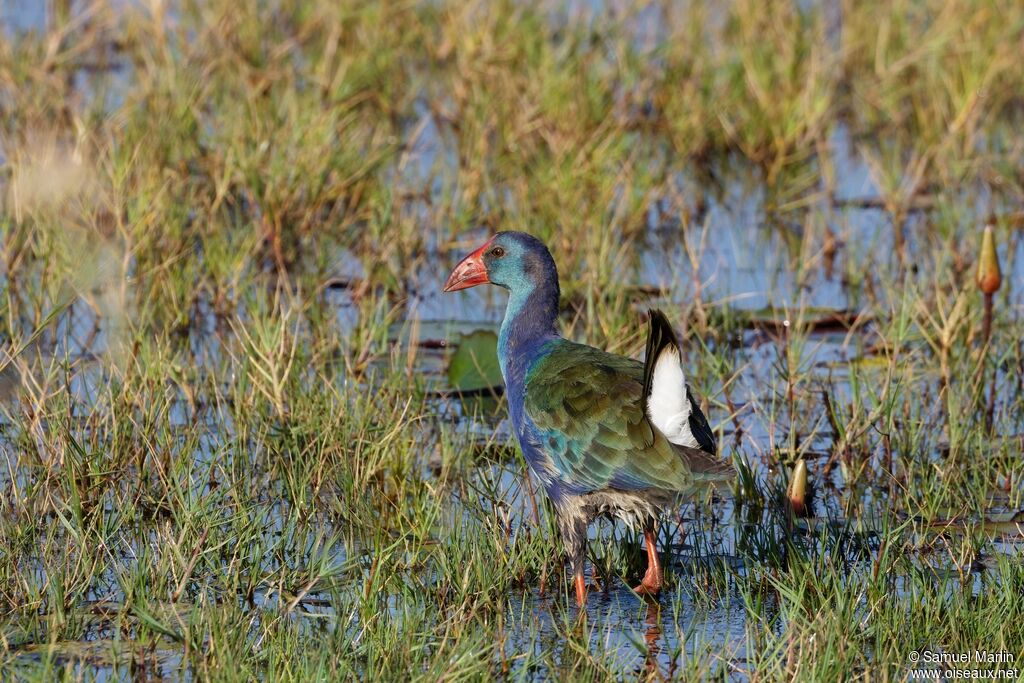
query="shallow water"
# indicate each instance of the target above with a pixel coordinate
(751, 258)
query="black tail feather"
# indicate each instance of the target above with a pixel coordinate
(700, 427)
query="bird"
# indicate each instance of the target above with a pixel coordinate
(605, 435)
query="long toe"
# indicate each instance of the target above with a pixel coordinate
(651, 583)
(649, 589)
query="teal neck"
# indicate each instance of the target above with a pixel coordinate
(530, 321)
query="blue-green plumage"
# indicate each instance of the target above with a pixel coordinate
(581, 414)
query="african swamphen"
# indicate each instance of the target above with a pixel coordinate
(605, 435)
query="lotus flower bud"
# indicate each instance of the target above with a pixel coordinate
(989, 277)
(798, 489)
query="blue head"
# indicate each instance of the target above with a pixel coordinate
(514, 260)
(523, 265)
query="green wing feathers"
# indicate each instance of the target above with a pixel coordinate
(586, 406)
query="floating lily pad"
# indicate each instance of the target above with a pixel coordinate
(994, 524)
(811, 319)
(474, 365)
(438, 334)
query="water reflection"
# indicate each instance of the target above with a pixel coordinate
(652, 639)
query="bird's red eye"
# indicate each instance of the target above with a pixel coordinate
(497, 252)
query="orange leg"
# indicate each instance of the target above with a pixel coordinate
(654, 578)
(581, 589)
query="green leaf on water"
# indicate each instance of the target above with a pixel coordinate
(474, 365)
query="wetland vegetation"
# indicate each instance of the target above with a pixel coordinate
(244, 436)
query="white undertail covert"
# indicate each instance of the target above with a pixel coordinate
(668, 406)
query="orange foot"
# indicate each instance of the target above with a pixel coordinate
(649, 586)
(653, 579)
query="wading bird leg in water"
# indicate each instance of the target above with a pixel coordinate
(581, 587)
(653, 579)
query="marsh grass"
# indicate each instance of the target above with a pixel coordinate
(225, 226)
